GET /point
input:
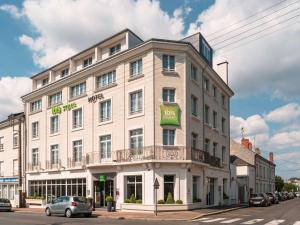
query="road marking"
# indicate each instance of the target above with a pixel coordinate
(201, 219)
(275, 222)
(231, 221)
(213, 220)
(253, 221)
(297, 223)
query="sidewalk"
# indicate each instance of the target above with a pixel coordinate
(178, 215)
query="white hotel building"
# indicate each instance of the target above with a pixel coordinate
(114, 117)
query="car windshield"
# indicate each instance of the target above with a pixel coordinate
(3, 200)
(80, 199)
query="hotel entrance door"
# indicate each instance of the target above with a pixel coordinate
(102, 189)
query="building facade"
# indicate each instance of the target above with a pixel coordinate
(113, 118)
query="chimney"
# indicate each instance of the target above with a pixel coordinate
(271, 157)
(246, 143)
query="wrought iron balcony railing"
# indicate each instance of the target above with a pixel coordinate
(53, 165)
(76, 163)
(34, 167)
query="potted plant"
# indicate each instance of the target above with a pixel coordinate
(91, 201)
(161, 201)
(109, 201)
(179, 202)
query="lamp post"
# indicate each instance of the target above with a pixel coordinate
(156, 186)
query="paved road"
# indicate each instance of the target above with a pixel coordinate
(286, 213)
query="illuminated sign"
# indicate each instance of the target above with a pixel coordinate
(169, 115)
(59, 109)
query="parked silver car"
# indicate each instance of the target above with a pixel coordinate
(69, 206)
(5, 205)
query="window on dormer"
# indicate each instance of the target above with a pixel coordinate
(87, 62)
(115, 49)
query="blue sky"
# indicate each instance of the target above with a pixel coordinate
(264, 74)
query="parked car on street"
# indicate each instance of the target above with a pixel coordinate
(69, 206)
(279, 196)
(5, 205)
(297, 194)
(259, 199)
(272, 197)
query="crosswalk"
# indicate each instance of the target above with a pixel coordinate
(212, 220)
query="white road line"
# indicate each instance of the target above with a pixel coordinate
(297, 223)
(275, 222)
(213, 220)
(231, 221)
(201, 219)
(253, 221)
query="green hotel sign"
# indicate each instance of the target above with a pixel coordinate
(169, 115)
(102, 178)
(59, 109)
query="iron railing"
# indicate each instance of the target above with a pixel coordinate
(72, 163)
(53, 166)
(34, 167)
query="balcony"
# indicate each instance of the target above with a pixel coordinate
(34, 167)
(53, 166)
(76, 163)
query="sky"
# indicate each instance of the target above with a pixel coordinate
(259, 39)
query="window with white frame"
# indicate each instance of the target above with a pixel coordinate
(136, 102)
(55, 98)
(77, 118)
(87, 62)
(136, 138)
(36, 106)
(15, 140)
(45, 81)
(54, 149)
(105, 110)
(106, 79)
(1, 143)
(196, 187)
(168, 136)
(223, 125)
(207, 145)
(215, 119)
(194, 102)
(115, 49)
(169, 186)
(136, 68)
(206, 114)
(78, 90)
(35, 157)
(206, 84)
(77, 151)
(194, 140)
(215, 148)
(169, 95)
(54, 124)
(194, 72)
(1, 169)
(35, 129)
(105, 146)
(134, 186)
(64, 72)
(169, 62)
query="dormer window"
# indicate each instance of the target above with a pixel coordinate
(45, 81)
(87, 62)
(115, 49)
(64, 72)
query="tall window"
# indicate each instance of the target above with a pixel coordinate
(168, 95)
(55, 98)
(169, 184)
(169, 62)
(136, 68)
(194, 106)
(36, 106)
(223, 125)
(215, 148)
(105, 111)
(223, 154)
(194, 140)
(206, 84)
(106, 79)
(1, 169)
(1, 143)
(215, 119)
(105, 146)
(136, 102)
(194, 72)
(54, 124)
(168, 136)
(87, 62)
(206, 114)
(78, 90)
(35, 129)
(134, 186)
(136, 138)
(223, 100)
(35, 157)
(77, 118)
(196, 186)
(207, 145)
(214, 91)
(45, 81)
(115, 49)
(15, 140)
(206, 51)
(77, 151)
(15, 167)
(54, 154)
(64, 72)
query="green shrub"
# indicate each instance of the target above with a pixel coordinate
(127, 200)
(132, 198)
(195, 200)
(139, 201)
(179, 202)
(109, 198)
(170, 199)
(36, 197)
(161, 201)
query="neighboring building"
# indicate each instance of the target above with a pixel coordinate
(12, 141)
(296, 181)
(264, 168)
(112, 118)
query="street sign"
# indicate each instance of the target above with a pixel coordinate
(156, 184)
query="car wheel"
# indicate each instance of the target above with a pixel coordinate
(88, 214)
(68, 213)
(48, 212)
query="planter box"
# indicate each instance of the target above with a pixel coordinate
(35, 203)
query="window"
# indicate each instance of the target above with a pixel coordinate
(194, 140)
(54, 154)
(77, 151)
(35, 157)
(64, 72)
(168, 137)
(45, 81)
(106, 79)
(35, 129)
(194, 72)
(1, 143)
(36, 106)
(134, 186)
(15, 167)
(215, 91)
(136, 138)
(78, 90)
(223, 125)
(168, 95)
(169, 62)
(223, 154)
(196, 181)
(15, 140)
(206, 51)
(215, 118)
(215, 148)
(105, 146)
(223, 100)
(206, 114)
(169, 184)
(206, 84)
(54, 124)
(1, 169)
(105, 111)
(77, 118)
(87, 62)
(136, 102)
(136, 68)
(207, 145)
(194, 106)
(55, 98)
(115, 49)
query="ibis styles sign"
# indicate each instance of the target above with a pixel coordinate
(169, 115)
(60, 109)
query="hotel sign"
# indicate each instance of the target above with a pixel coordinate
(169, 115)
(95, 98)
(8, 180)
(59, 109)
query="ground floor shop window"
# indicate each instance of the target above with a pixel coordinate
(196, 189)
(8, 191)
(169, 184)
(134, 187)
(210, 198)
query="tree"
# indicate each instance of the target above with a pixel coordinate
(279, 183)
(290, 187)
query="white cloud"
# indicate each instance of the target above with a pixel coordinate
(284, 114)
(12, 10)
(12, 88)
(286, 139)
